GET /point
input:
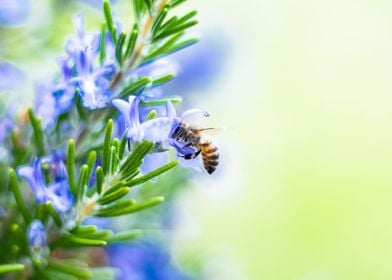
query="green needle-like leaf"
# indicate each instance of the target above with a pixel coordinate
(84, 229)
(113, 196)
(124, 236)
(175, 29)
(136, 86)
(13, 181)
(86, 241)
(100, 177)
(109, 19)
(141, 179)
(113, 160)
(71, 167)
(5, 268)
(102, 44)
(175, 3)
(138, 206)
(53, 213)
(134, 160)
(131, 41)
(174, 100)
(118, 205)
(158, 21)
(121, 149)
(37, 132)
(92, 158)
(119, 48)
(106, 147)
(83, 180)
(162, 80)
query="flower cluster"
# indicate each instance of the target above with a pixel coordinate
(79, 73)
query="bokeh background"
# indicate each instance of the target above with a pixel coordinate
(304, 91)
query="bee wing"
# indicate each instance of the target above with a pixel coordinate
(212, 130)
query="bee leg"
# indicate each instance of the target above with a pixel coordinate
(196, 154)
(129, 144)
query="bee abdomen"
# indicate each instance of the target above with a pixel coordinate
(210, 157)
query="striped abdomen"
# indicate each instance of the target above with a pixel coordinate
(210, 156)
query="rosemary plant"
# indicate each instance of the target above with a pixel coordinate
(98, 131)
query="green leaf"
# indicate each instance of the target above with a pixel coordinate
(118, 205)
(141, 179)
(138, 206)
(113, 196)
(106, 147)
(103, 234)
(162, 50)
(86, 241)
(37, 132)
(42, 213)
(71, 167)
(114, 188)
(159, 19)
(119, 48)
(121, 149)
(138, 6)
(109, 19)
(187, 17)
(100, 177)
(171, 22)
(124, 236)
(135, 86)
(148, 4)
(113, 160)
(175, 29)
(182, 45)
(84, 229)
(69, 269)
(134, 160)
(12, 267)
(91, 159)
(175, 3)
(162, 80)
(174, 100)
(102, 44)
(132, 41)
(53, 213)
(13, 182)
(83, 180)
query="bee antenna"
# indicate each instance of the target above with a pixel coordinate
(194, 111)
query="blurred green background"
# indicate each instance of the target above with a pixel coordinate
(305, 185)
(306, 188)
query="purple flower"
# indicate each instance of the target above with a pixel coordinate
(82, 41)
(36, 234)
(91, 80)
(143, 261)
(14, 12)
(158, 130)
(57, 192)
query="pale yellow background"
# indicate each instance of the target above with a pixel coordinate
(306, 187)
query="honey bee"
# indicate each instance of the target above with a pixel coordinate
(196, 139)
